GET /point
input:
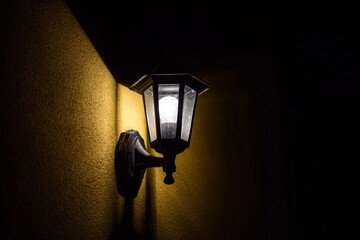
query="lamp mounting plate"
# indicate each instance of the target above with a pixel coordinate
(128, 175)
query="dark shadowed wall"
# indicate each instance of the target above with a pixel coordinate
(61, 114)
(228, 178)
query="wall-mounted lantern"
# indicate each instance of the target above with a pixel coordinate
(169, 101)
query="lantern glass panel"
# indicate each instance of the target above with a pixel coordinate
(168, 109)
(188, 111)
(150, 112)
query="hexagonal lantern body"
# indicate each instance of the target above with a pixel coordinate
(169, 101)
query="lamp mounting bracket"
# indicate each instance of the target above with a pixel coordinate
(131, 161)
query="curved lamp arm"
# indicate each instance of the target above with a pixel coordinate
(131, 161)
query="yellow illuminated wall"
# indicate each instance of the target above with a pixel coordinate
(61, 116)
(58, 128)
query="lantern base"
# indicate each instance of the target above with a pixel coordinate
(131, 161)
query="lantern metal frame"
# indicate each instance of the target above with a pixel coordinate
(177, 145)
(131, 157)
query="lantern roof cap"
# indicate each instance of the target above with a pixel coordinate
(148, 80)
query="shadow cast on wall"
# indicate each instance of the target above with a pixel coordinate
(128, 35)
(134, 36)
(124, 228)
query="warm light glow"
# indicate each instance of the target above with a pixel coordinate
(168, 109)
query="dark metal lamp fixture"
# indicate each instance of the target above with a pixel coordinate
(169, 101)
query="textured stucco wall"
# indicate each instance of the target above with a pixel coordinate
(58, 128)
(62, 113)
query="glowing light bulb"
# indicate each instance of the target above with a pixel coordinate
(168, 108)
